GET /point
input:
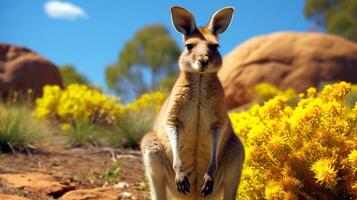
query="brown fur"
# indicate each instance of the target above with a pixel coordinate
(196, 107)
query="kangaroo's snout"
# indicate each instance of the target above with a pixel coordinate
(203, 60)
(202, 63)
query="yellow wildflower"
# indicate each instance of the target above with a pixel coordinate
(65, 127)
(352, 158)
(274, 191)
(324, 171)
(335, 91)
(311, 92)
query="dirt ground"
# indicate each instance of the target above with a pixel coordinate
(76, 173)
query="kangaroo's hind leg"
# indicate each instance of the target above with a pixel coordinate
(154, 162)
(232, 162)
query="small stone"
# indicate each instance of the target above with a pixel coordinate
(126, 194)
(121, 185)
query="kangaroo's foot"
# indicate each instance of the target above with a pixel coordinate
(154, 162)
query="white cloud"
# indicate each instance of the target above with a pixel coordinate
(64, 10)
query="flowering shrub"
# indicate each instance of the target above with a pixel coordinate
(138, 120)
(80, 109)
(265, 91)
(152, 101)
(352, 96)
(303, 152)
(78, 103)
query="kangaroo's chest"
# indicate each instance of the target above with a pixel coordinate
(196, 116)
(197, 113)
(196, 106)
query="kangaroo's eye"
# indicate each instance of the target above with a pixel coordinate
(214, 46)
(189, 46)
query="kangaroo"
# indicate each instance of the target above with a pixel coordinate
(192, 151)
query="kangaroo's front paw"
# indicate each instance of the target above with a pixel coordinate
(182, 183)
(207, 185)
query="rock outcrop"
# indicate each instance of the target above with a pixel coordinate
(287, 60)
(12, 197)
(36, 182)
(92, 194)
(22, 69)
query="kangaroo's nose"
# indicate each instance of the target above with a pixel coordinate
(203, 60)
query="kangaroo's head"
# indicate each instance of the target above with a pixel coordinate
(201, 54)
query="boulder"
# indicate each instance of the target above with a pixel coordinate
(22, 69)
(287, 60)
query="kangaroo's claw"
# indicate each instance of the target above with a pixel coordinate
(207, 185)
(182, 183)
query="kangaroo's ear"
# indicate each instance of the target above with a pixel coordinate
(183, 20)
(220, 20)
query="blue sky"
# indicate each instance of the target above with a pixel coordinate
(91, 35)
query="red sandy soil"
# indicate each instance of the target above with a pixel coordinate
(72, 174)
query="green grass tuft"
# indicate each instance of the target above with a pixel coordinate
(84, 134)
(112, 174)
(131, 128)
(19, 130)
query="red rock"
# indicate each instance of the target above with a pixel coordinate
(11, 197)
(287, 60)
(35, 182)
(22, 69)
(92, 194)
